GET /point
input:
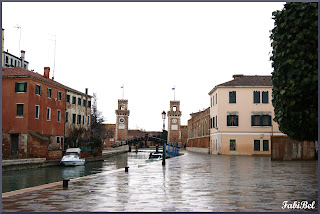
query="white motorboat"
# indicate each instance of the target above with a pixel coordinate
(72, 158)
(154, 156)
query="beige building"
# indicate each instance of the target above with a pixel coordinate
(241, 116)
(78, 112)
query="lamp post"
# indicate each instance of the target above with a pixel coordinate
(163, 140)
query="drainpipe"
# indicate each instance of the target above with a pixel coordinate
(64, 126)
(271, 135)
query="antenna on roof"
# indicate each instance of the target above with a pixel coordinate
(18, 28)
(54, 57)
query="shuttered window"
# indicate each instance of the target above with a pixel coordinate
(49, 92)
(232, 97)
(79, 119)
(67, 117)
(261, 145)
(256, 145)
(74, 116)
(20, 110)
(256, 97)
(265, 145)
(48, 113)
(260, 120)
(232, 145)
(59, 95)
(38, 89)
(73, 100)
(265, 97)
(232, 120)
(59, 116)
(37, 112)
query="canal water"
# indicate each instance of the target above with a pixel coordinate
(20, 179)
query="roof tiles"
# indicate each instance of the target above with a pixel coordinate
(18, 71)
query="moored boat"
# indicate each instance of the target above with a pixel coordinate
(72, 158)
(154, 156)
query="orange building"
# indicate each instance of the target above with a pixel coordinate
(33, 114)
(199, 132)
(32, 104)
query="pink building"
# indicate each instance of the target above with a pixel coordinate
(241, 116)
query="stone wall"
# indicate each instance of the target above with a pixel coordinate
(54, 155)
(200, 150)
(201, 142)
(6, 145)
(37, 146)
(284, 148)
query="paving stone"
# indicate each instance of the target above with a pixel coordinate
(189, 183)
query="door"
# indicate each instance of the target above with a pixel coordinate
(14, 144)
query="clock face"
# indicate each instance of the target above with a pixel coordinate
(121, 120)
(174, 120)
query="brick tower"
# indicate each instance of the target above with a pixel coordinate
(174, 122)
(122, 120)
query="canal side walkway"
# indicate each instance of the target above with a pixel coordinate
(192, 182)
(18, 164)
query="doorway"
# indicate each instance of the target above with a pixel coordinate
(14, 144)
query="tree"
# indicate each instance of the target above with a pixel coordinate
(294, 40)
(97, 128)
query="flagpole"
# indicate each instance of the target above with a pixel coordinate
(174, 93)
(123, 92)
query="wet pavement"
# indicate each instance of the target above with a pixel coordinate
(190, 183)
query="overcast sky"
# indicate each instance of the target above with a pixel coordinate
(147, 47)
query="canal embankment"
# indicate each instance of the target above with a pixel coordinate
(29, 163)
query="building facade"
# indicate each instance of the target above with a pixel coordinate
(110, 134)
(10, 60)
(78, 112)
(199, 131)
(33, 105)
(122, 121)
(34, 114)
(174, 122)
(241, 116)
(184, 135)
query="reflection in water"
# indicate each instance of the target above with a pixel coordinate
(20, 179)
(73, 172)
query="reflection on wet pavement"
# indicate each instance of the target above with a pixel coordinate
(189, 183)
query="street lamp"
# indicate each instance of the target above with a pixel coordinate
(163, 117)
(163, 140)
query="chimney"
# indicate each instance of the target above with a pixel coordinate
(22, 58)
(86, 91)
(46, 72)
(235, 76)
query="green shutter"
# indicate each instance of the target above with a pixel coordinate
(269, 120)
